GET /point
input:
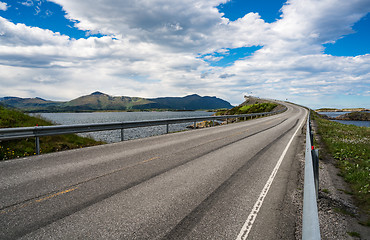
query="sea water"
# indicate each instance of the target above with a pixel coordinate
(115, 135)
(336, 114)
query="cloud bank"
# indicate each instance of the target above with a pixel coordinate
(155, 48)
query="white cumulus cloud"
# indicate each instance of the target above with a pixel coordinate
(153, 48)
(3, 6)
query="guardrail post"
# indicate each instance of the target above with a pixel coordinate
(122, 134)
(37, 144)
(167, 128)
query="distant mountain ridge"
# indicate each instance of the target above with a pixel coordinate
(190, 102)
(99, 101)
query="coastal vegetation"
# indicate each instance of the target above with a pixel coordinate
(349, 145)
(26, 147)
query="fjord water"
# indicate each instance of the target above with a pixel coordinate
(115, 135)
(336, 114)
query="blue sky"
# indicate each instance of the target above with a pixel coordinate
(356, 43)
(42, 14)
(315, 53)
(269, 10)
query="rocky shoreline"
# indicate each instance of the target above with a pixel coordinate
(352, 116)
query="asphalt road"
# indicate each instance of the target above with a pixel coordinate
(224, 182)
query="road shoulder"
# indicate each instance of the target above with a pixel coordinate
(339, 217)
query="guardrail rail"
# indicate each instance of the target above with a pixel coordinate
(40, 131)
(310, 223)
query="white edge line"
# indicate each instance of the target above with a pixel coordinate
(243, 234)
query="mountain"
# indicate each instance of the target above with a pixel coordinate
(101, 101)
(28, 104)
(98, 101)
(190, 102)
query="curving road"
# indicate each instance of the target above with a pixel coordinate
(225, 182)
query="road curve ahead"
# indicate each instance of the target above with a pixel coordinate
(224, 182)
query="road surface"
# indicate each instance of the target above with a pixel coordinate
(224, 182)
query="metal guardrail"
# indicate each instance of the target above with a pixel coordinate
(310, 223)
(40, 131)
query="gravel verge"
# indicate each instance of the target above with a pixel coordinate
(339, 217)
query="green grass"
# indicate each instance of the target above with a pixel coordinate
(346, 192)
(365, 223)
(325, 190)
(26, 147)
(13, 118)
(343, 211)
(354, 234)
(350, 146)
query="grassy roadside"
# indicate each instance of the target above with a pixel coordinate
(26, 147)
(349, 145)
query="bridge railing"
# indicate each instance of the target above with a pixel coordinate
(40, 131)
(310, 223)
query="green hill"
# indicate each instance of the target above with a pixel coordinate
(252, 105)
(29, 104)
(101, 101)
